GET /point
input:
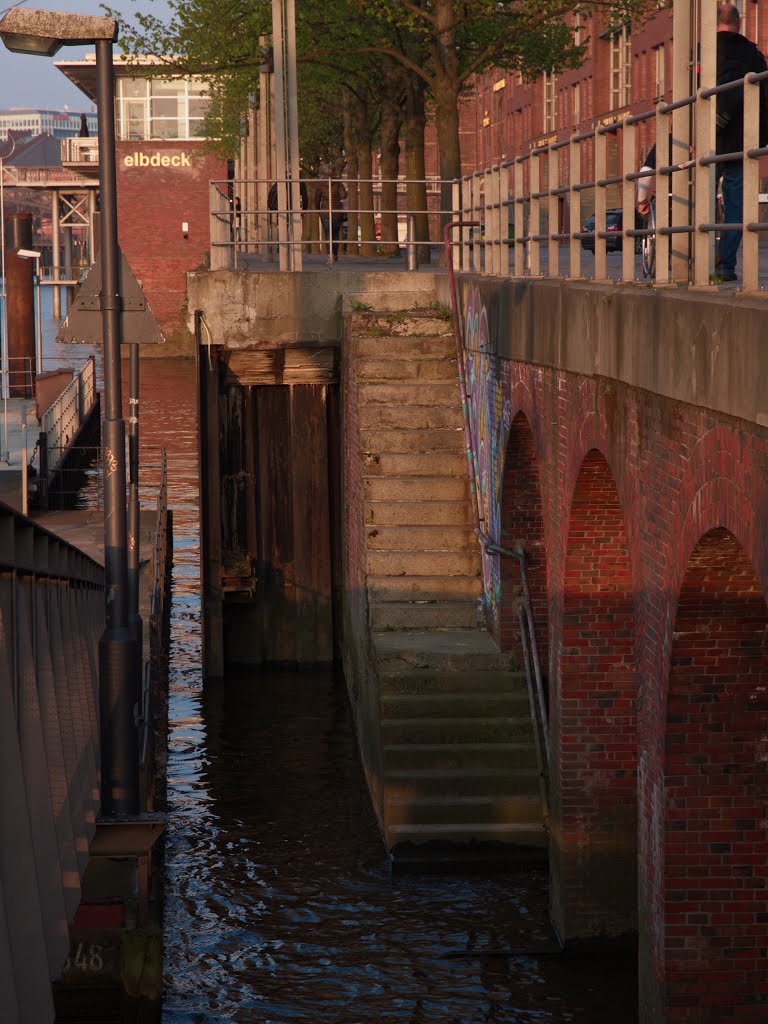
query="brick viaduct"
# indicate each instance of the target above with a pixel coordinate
(620, 436)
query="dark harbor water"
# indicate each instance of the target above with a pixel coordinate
(279, 905)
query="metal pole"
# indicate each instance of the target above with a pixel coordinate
(133, 495)
(38, 320)
(118, 655)
(292, 132)
(281, 142)
(55, 253)
(4, 452)
(24, 463)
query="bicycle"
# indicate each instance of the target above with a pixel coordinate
(648, 245)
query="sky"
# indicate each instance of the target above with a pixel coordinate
(34, 81)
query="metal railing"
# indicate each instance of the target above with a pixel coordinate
(245, 231)
(61, 423)
(534, 210)
(52, 614)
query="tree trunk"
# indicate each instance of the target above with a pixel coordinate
(446, 95)
(415, 165)
(351, 247)
(391, 120)
(365, 173)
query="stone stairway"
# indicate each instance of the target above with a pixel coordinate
(459, 760)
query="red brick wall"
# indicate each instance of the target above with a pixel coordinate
(678, 473)
(153, 202)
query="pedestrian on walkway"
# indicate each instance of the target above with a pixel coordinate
(736, 57)
(330, 195)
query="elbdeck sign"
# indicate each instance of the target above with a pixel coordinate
(157, 160)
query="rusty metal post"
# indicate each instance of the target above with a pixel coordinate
(20, 294)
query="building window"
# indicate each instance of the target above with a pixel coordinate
(550, 102)
(576, 104)
(621, 67)
(661, 77)
(160, 108)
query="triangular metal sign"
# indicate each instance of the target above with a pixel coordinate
(84, 322)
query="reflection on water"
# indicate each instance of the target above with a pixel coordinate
(278, 902)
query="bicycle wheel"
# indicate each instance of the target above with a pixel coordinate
(648, 252)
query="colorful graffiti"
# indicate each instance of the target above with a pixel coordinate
(489, 418)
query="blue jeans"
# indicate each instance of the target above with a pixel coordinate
(336, 221)
(733, 201)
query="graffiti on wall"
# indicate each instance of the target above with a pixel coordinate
(489, 418)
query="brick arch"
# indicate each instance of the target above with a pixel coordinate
(522, 522)
(594, 779)
(715, 786)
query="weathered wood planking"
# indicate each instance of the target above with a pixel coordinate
(310, 365)
(276, 513)
(210, 515)
(311, 523)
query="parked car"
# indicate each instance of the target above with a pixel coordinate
(614, 222)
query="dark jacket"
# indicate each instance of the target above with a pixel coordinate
(736, 57)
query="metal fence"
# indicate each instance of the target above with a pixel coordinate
(567, 207)
(61, 423)
(247, 231)
(51, 615)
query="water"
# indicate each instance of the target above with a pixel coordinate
(279, 906)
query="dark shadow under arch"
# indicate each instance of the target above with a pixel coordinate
(594, 852)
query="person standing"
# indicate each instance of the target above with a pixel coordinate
(330, 195)
(736, 57)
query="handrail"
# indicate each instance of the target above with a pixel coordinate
(487, 544)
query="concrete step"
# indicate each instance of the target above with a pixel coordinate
(415, 706)
(415, 464)
(410, 395)
(450, 439)
(430, 563)
(406, 370)
(424, 588)
(409, 417)
(523, 808)
(398, 350)
(396, 319)
(435, 682)
(461, 614)
(421, 488)
(450, 783)
(520, 834)
(419, 513)
(456, 650)
(430, 732)
(409, 756)
(421, 538)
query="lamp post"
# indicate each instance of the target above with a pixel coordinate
(44, 32)
(31, 254)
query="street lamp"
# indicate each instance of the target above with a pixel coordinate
(31, 254)
(43, 32)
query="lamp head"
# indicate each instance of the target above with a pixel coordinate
(43, 32)
(28, 254)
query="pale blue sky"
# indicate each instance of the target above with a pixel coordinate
(34, 81)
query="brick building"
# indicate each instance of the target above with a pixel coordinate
(624, 72)
(163, 176)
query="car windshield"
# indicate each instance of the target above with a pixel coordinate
(613, 218)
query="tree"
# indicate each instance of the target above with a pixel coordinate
(462, 38)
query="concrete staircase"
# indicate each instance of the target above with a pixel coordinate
(460, 773)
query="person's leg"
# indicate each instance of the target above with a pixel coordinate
(325, 220)
(336, 230)
(733, 201)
